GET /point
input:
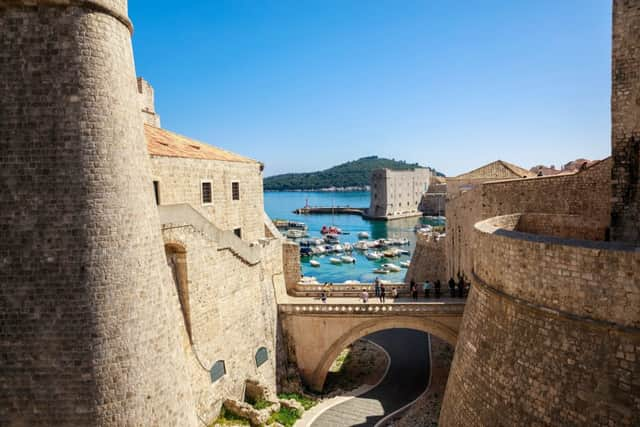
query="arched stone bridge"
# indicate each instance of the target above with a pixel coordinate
(317, 333)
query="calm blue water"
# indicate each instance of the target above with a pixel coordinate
(280, 205)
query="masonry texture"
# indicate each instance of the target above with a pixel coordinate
(428, 261)
(625, 121)
(397, 194)
(81, 242)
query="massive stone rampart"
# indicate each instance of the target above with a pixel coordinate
(427, 261)
(585, 193)
(551, 331)
(90, 318)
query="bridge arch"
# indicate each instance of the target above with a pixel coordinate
(362, 329)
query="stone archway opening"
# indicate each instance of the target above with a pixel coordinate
(359, 331)
(177, 260)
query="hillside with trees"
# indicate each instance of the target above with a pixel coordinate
(356, 173)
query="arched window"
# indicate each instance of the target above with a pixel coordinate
(262, 355)
(177, 260)
(218, 370)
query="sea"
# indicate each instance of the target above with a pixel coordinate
(281, 204)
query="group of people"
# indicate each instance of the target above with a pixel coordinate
(459, 289)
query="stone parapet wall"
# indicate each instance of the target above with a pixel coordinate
(291, 265)
(521, 365)
(585, 193)
(594, 280)
(428, 261)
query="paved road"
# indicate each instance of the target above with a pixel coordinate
(407, 378)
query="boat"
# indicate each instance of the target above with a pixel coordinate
(296, 234)
(284, 224)
(402, 251)
(338, 248)
(348, 259)
(317, 250)
(390, 253)
(347, 247)
(381, 271)
(363, 235)
(391, 267)
(405, 264)
(361, 245)
(335, 260)
(314, 263)
(373, 256)
(351, 282)
(308, 280)
(330, 230)
(331, 238)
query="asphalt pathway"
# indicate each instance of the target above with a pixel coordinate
(407, 378)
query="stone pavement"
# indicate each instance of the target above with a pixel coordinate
(406, 379)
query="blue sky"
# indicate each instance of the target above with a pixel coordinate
(304, 85)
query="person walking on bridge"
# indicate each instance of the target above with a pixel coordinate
(364, 295)
(377, 287)
(414, 290)
(382, 293)
(426, 288)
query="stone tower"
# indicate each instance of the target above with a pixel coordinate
(625, 125)
(90, 328)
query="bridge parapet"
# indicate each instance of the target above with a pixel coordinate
(355, 309)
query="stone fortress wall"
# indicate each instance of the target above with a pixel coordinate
(582, 193)
(428, 261)
(551, 329)
(397, 194)
(91, 323)
(122, 311)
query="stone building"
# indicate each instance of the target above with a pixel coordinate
(138, 269)
(494, 171)
(551, 329)
(397, 194)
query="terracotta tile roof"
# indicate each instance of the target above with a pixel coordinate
(161, 142)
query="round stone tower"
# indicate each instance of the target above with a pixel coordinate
(90, 328)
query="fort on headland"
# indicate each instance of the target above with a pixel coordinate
(143, 284)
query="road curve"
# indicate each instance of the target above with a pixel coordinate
(407, 378)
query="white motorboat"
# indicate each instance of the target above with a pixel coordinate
(338, 248)
(363, 235)
(348, 259)
(402, 251)
(373, 256)
(296, 234)
(391, 267)
(314, 263)
(362, 245)
(381, 271)
(405, 264)
(347, 247)
(335, 260)
(308, 280)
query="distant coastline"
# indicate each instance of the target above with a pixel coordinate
(323, 190)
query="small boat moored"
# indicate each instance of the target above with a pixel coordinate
(405, 264)
(314, 263)
(363, 235)
(335, 260)
(348, 259)
(381, 271)
(391, 267)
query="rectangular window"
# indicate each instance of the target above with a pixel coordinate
(238, 232)
(235, 191)
(156, 191)
(206, 193)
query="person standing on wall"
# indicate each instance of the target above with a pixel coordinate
(364, 295)
(382, 291)
(426, 288)
(452, 288)
(414, 290)
(437, 289)
(377, 287)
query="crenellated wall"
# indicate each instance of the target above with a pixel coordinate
(551, 331)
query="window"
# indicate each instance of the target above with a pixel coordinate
(235, 191)
(206, 193)
(156, 191)
(262, 355)
(218, 370)
(238, 232)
